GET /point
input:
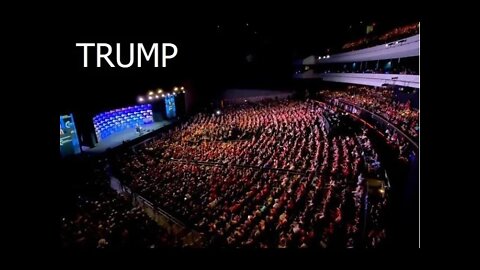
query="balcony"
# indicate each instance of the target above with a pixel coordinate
(371, 79)
(407, 47)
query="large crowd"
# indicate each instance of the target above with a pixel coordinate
(256, 175)
(383, 103)
(288, 135)
(101, 218)
(265, 175)
(392, 35)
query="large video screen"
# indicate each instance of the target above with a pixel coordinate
(69, 143)
(171, 111)
(113, 121)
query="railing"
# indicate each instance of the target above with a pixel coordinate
(405, 47)
(364, 199)
(141, 200)
(374, 116)
(162, 218)
(371, 79)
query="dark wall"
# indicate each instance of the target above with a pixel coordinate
(408, 94)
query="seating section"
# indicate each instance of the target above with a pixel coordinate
(392, 35)
(264, 175)
(103, 219)
(383, 103)
(258, 175)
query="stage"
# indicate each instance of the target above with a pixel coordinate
(129, 134)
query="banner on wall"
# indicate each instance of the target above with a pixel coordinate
(170, 107)
(69, 143)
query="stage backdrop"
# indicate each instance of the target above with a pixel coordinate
(113, 121)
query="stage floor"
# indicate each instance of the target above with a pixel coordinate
(117, 139)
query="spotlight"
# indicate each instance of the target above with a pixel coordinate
(140, 99)
(181, 88)
(156, 96)
(218, 112)
(159, 91)
(150, 93)
(328, 56)
(150, 97)
(183, 91)
(163, 95)
(175, 89)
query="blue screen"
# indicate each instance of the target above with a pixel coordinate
(113, 121)
(170, 107)
(69, 143)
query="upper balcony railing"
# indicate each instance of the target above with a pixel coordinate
(373, 118)
(402, 48)
(370, 79)
(392, 35)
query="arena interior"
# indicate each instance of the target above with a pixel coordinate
(282, 144)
